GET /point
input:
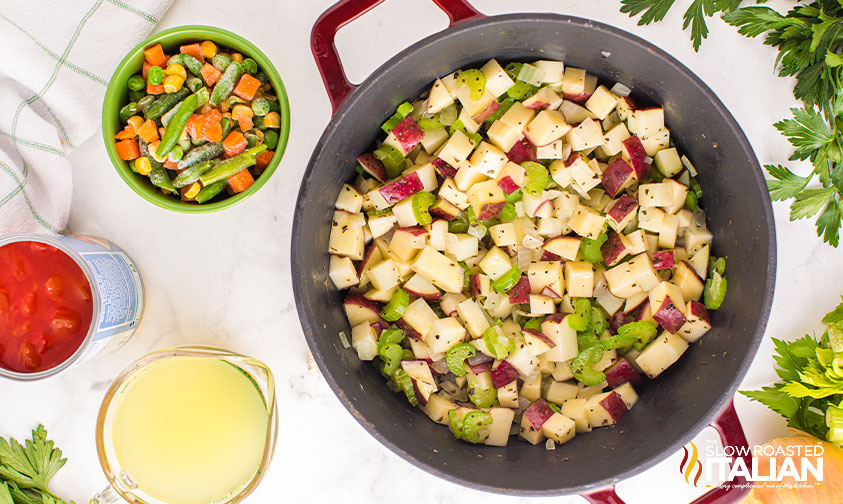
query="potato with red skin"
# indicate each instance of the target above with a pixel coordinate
(622, 210)
(669, 316)
(443, 168)
(522, 151)
(503, 375)
(408, 133)
(618, 319)
(358, 309)
(401, 188)
(485, 112)
(634, 150)
(487, 199)
(538, 412)
(372, 166)
(617, 176)
(444, 210)
(580, 98)
(622, 372)
(541, 336)
(663, 259)
(507, 185)
(614, 249)
(521, 292)
(614, 405)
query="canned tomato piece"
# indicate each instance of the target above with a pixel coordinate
(63, 300)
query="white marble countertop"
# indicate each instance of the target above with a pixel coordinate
(223, 279)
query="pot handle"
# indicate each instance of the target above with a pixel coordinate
(728, 426)
(343, 12)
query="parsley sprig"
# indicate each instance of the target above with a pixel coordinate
(26, 470)
(809, 38)
(810, 393)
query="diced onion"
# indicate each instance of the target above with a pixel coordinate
(689, 165)
(549, 445)
(620, 89)
(344, 340)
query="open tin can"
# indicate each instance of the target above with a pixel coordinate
(116, 290)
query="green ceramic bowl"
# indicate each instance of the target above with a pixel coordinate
(117, 95)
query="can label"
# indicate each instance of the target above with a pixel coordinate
(120, 290)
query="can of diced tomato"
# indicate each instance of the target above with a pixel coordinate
(63, 300)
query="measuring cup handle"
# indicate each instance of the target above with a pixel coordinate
(345, 11)
(107, 496)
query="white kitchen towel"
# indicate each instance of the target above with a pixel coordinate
(56, 57)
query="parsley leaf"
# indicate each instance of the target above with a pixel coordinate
(835, 315)
(828, 223)
(26, 470)
(785, 184)
(808, 132)
(694, 17)
(809, 202)
(654, 10)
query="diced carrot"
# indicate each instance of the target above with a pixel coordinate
(126, 133)
(264, 158)
(128, 150)
(213, 116)
(148, 132)
(241, 180)
(246, 87)
(154, 88)
(170, 164)
(213, 132)
(194, 50)
(245, 123)
(210, 74)
(146, 67)
(155, 55)
(135, 122)
(192, 126)
(234, 143)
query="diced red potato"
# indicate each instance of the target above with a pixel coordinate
(661, 354)
(559, 428)
(444, 333)
(558, 329)
(401, 188)
(437, 408)
(617, 176)
(522, 151)
(479, 285)
(537, 342)
(440, 270)
(614, 249)
(503, 374)
(502, 419)
(633, 151)
(576, 411)
(622, 372)
(364, 340)
(663, 259)
(342, 272)
(484, 113)
(444, 210)
(419, 286)
(521, 292)
(443, 168)
(507, 185)
(358, 309)
(408, 133)
(565, 247)
(487, 199)
(621, 212)
(689, 282)
(670, 306)
(372, 166)
(537, 413)
(697, 322)
(448, 303)
(605, 409)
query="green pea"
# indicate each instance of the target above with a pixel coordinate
(257, 121)
(260, 106)
(136, 83)
(221, 61)
(270, 138)
(155, 75)
(135, 95)
(128, 111)
(251, 140)
(250, 66)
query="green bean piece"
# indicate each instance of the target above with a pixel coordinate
(225, 85)
(136, 96)
(226, 124)
(191, 64)
(193, 84)
(136, 83)
(209, 191)
(232, 165)
(168, 115)
(145, 104)
(200, 154)
(128, 111)
(161, 178)
(260, 106)
(144, 150)
(164, 103)
(221, 61)
(262, 77)
(177, 124)
(250, 66)
(184, 141)
(234, 100)
(192, 174)
(155, 75)
(270, 139)
(175, 59)
(176, 153)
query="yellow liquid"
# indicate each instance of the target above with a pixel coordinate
(190, 430)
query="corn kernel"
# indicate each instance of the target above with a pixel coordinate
(237, 57)
(209, 49)
(143, 166)
(152, 148)
(240, 111)
(135, 122)
(176, 69)
(259, 134)
(272, 120)
(193, 190)
(173, 83)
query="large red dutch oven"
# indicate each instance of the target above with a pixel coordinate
(695, 392)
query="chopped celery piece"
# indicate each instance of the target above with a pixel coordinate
(513, 69)
(472, 423)
(835, 337)
(403, 111)
(469, 213)
(531, 75)
(477, 230)
(459, 126)
(457, 355)
(455, 424)
(505, 105)
(390, 336)
(515, 196)
(834, 421)
(422, 201)
(482, 398)
(591, 248)
(639, 334)
(715, 291)
(587, 339)
(599, 324)
(581, 318)
(428, 123)
(695, 187)
(396, 307)
(448, 115)
(521, 90)
(466, 276)
(537, 177)
(581, 366)
(717, 264)
(554, 407)
(458, 225)
(507, 281)
(391, 158)
(391, 356)
(495, 344)
(508, 214)
(691, 201)
(379, 213)
(405, 383)
(534, 324)
(475, 80)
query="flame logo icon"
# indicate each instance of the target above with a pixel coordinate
(690, 463)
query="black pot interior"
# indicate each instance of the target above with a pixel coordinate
(671, 409)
